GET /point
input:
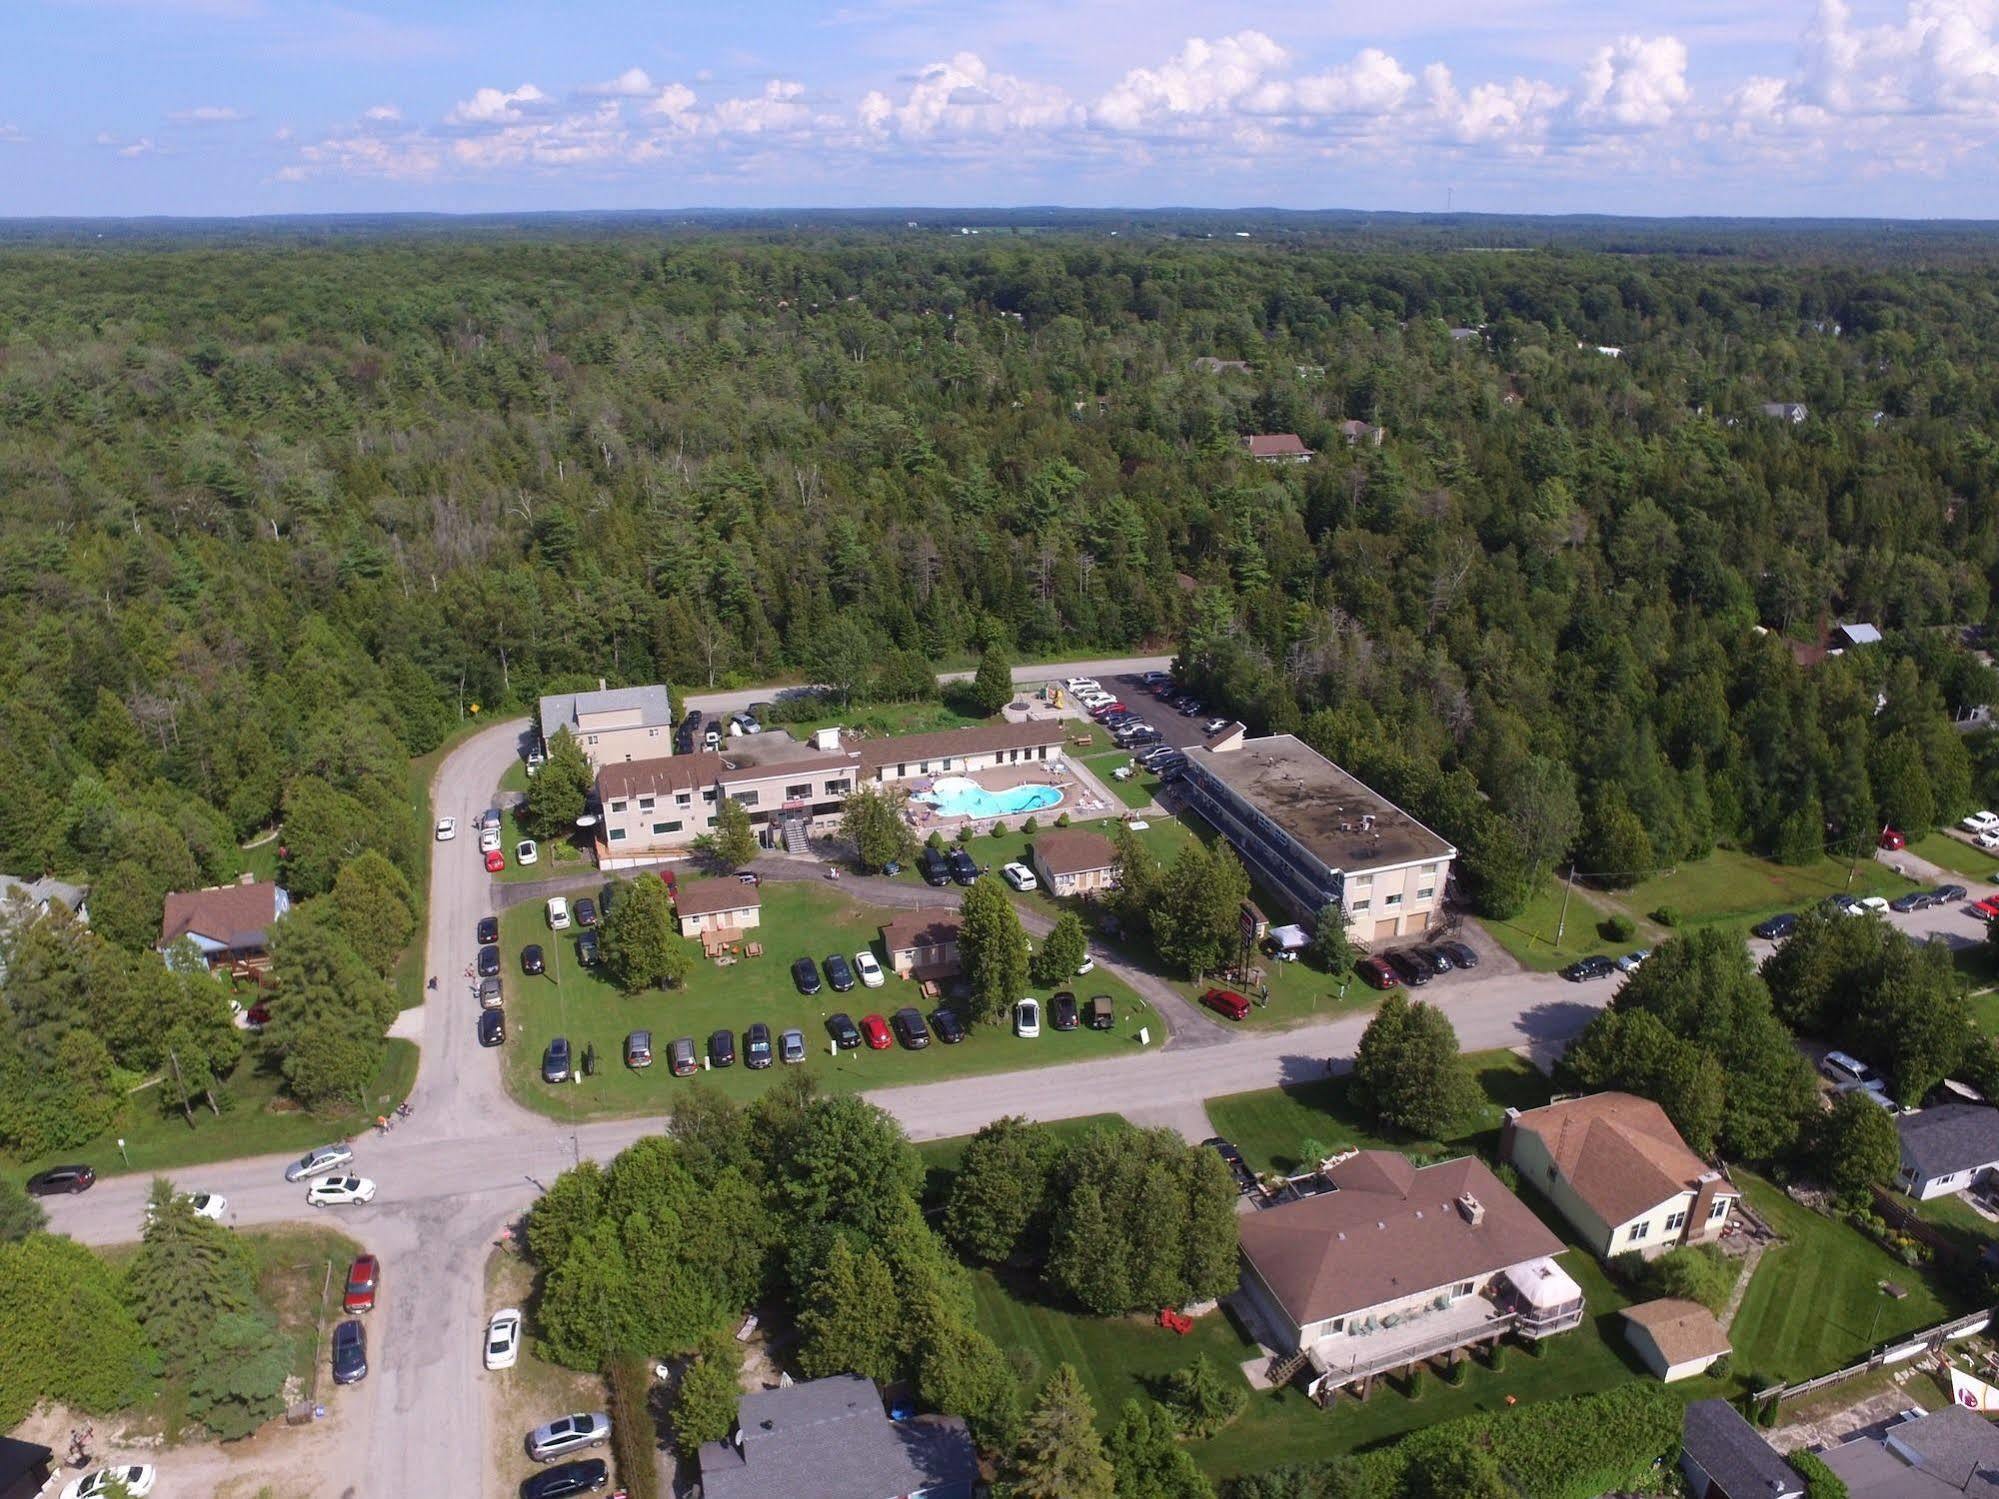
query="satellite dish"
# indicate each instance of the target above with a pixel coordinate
(586, 821)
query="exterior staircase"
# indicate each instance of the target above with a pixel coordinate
(1284, 1370)
(795, 839)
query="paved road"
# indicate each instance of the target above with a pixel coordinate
(715, 704)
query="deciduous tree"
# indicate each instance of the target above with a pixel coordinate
(560, 790)
(639, 946)
(1062, 952)
(992, 951)
(1408, 1073)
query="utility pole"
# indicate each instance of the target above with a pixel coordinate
(1562, 923)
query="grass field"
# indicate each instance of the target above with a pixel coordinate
(798, 920)
(880, 720)
(1957, 856)
(1531, 935)
(1137, 791)
(1816, 1303)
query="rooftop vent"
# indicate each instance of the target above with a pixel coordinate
(1472, 1208)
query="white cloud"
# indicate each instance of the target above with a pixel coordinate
(491, 106)
(778, 109)
(382, 114)
(1635, 83)
(1205, 79)
(633, 83)
(571, 140)
(965, 97)
(208, 114)
(143, 146)
(675, 104)
(1373, 83)
(12, 135)
(404, 158)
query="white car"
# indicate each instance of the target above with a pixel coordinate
(1981, 822)
(1988, 840)
(318, 1162)
(1631, 961)
(869, 970)
(209, 1205)
(503, 1339)
(489, 840)
(138, 1479)
(1849, 1072)
(1079, 685)
(1027, 1019)
(1875, 905)
(1088, 965)
(1019, 876)
(1214, 726)
(525, 852)
(1094, 699)
(447, 829)
(558, 914)
(337, 1191)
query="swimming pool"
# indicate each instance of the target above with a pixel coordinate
(960, 796)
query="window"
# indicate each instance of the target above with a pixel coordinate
(1362, 882)
(1676, 1220)
(666, 827)
(799, 792)
(645, 803)
(652, 733)
(745, 798)
(1338, 1324)
(683, 798)
(839, 788)
(1718, 1210)
(709, 796)
(923, 767)
(1426, 892)
(618, 805)
(1462, 1289)
(1393, 900)
(1360, 905)
(617, 835)
(1640, 1230)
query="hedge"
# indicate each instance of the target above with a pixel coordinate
(629, 1379)
(1820, 1481)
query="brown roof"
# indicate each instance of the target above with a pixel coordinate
(1277, 445)
(1074, 851)
(660, 777)
(1392, 1230)
(781, 770)
(1618, 1151)
(928, 928)
(234, 915)
(980, 739)
(706, 897)
(1683, 1330)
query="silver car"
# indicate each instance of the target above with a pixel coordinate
(567, 1434)
(318, 1162)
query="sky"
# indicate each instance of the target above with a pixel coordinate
(224, 107)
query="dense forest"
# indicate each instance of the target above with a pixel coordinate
(277, 510)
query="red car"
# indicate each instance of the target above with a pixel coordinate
(1377, 973)
(362, 1280)
(1104, 710)
(1986, 909)
(875, 1029)
(1892, 839)
(1227, 1002)
(495, 861)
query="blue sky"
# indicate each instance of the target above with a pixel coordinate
(1696, 106)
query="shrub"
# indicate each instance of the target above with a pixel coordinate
(1820, 1481)
(997, 830)
(1495, 1358)
(1454, 1373)
(1061, 819)
(1413, 1389)
(936, 838)
(966, 833)
(1203, 1399)
(1509, 1178)
(629, 1381)
(1667, 916)
(1720, 1368)
(1618, 928)
(1032, 825)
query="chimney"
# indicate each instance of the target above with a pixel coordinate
(1472, 1208)
(1705, 1191)
(827, 739)
(1508, 1128)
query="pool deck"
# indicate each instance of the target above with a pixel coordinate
(1084, 797)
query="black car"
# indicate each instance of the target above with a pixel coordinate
(1595, 966)
(1407, 969)
(840, 1026)
(564, 1479)
(1915, 900)
(964, 868)
(1238, 1167)
(1948, 893)
(489, 962)
(1776, 927)
(555, 1061)
(1459, 954)
(587, 949)
(805, 974)
(350, 1352)
(489, 930)
(948, 1027)
(909, 1028)
(531, 960)
(1435, 958)
(722, 1049)
(1192, 708)
(492, 1027)
(756, 1046)
(935, 866)
(604, 900)
(1100, 1014)
(1062, 1013)
(585, 912)
(839, 973)
(59, 1179)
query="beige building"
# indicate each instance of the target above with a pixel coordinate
(719, 905)
(923, 944)
(618, 724)
(1074, 861)
(956, 752)
(1615, 1167)
(1676, 1339)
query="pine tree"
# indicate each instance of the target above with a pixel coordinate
(640, 948)
(560, 790)
(1203, 1399)
(376, 911)
(1060, 1455)
(1062, 951)
(992, 950)
(840, 1324)
(1150, 1463)
(239, 1378)
(188, 1272)
(992, 684)
(732, 842)
(704, 1406)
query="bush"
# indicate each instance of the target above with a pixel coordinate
(1667, 916)
(1495, 1358)
(1032, 825)
(1203, 1399)
(936, 839)
(997, 830)
(629, 1381)
(1720, 1368)
(966, 833)
(1454, 1373)
(1061, 819)
(1618, 928)
(1820, 1481)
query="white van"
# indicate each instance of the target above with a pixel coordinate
(558, 914)
(1848, 1073)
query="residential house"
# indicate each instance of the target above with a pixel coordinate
(1846, 636)
(1075, 861)
(1676, 1339)
(1277, 447)
(619, 723)
(1615, 1167)
(831, 1439)
(31, 898)
(229, 924)
(1946, 1454)
(1207, 364)
(923, 944)
(1398, 1264)
(721, 905)
(1358, 434)
(1724, 1457)
(1314, 834)
(1949, 1148)
(1786, 411)
(26, 1468)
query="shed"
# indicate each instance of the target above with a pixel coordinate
(1677, 1339)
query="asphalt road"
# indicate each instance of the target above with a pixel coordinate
(714, 704)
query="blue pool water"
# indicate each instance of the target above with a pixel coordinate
(959, 796)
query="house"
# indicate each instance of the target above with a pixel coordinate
(1945, 1454)
(229, 924)
(831, 1439)
(1723, 1457)
(1074, 861)
(1676, 1339)
(717, 906)
(1207, 364)
(1615, 1167)
(1357, 433)
(1277, 447)
(1948, 1148)
(1786, 411)
(619, 723)
(25, 1468)
(1397, 1264)
(31, 898)
(1463, 335)
(1846, 636)
(923, 944)
(1313, 834)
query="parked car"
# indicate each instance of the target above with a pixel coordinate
(1063, 1012)
(350, 1352)
(964, 868)
(138, 1480)
(1193, 708)
(1459, 953)
(1245, 1179)
(531, 959)
(1776, 928)
(1214, 726)
(1986, 909)
(805, 976)
(1433, 958)
(791, 1046)
(586, 911)
(838, 974)
(495, 861)
(492, 1027)
(1375, 972)
(1981, 822)
(1019, 876)
(1632, 961)
(447, 829)
(840, 1026)
(1849, 1072)
(70, 1179)
(1874, 905)
(339, 1191)
(722, 1048)
(874, 1030)
(1100, 1014)
(950, 1030)
(1947, 893)
(638, 1049)
(559, 1482)
(1893, 839)
(364, 1280)
(1595, 966)
(588, 949)
(489, 820)
(491, 994)
(910, 1029)
(489, 840)
(681, 1058)
(711, 737)
(489, 931)
(555, 1061)
(558, 914)
(567, 1434)
(1027, 1019)
(756, 1046)
(1915, 900)
(935, 866)
(313, 1162)
(869, 970)
(503, 1339)
(525, 852)
(1227, 1002)
(488, 962)
(1407, 969)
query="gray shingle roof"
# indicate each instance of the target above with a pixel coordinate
(1951, 1137)
(831, 1439)
(559, 710)
(1958, 1446)
(1734, 1456)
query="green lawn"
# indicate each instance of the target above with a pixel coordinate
(258, 1120)
(798, 920)
(1957, 856)
(554, 856)
(516, 778)
(1737, 887)
(1985, 1011)
(879, 720)
(1136, 791)
(1955, 1219)
(1816, 1303)
(262, 861)
(1530, 936)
